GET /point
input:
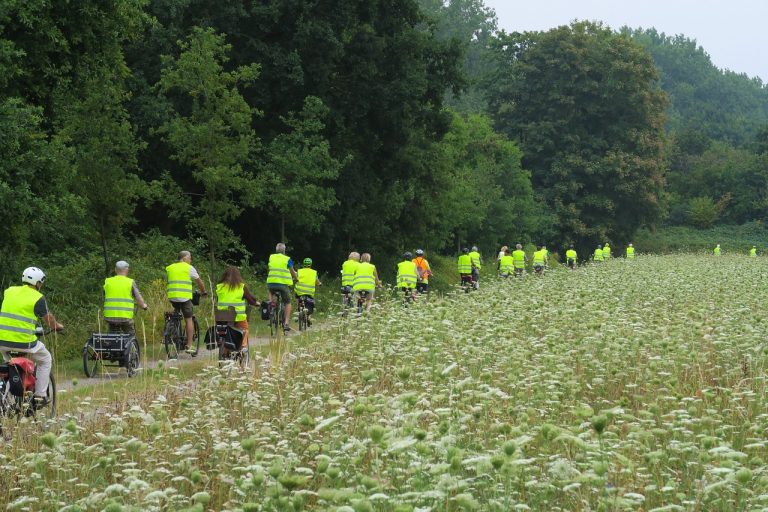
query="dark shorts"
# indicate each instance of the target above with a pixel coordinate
(422, 287)
(283, 290)
(346, 290)
(124, 327)
(185, 308)
(466, 278)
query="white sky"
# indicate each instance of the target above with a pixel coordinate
(733, 32)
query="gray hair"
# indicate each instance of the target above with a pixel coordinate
(280, 248)
(365, 258)
(354, 255)
(184, 254)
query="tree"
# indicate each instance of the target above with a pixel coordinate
(210, 133)
(584, 103)
(302, 170)
(102, 147)
(702, 212)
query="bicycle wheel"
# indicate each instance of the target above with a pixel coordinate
(302, 319)
(170, 338)
(244, 357)
(132, 358)
(51, 395)
(195, 338)
(91, 361)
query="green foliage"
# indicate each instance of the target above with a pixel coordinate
(211, 135)
(733, 238)
(702, 212)
(584, 103)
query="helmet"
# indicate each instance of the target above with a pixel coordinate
(307, 262)
(407, 255)
(571, 246)
(599, 246)
(419, 252)
(32, 275)
(465, 250)
(474, 248)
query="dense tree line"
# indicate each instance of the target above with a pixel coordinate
(364, 124)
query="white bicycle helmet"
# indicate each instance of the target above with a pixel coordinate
(32, 275)
(419, 252)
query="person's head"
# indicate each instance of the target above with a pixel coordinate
(474, 248)
(539, 247)
(307, 262)
(419, 252)
(354, 255)
(543, 246)
(571, 246)
(506, 251)
(185, 256)
(718, 245)
(599, 246)
(231, 277)
(122, 268)
(630, 245)
(465, 250)
(519, 247)
(607, 244)
(407, 255)
(280, 248)
(504, 248)
(365, 258)
(33, 276)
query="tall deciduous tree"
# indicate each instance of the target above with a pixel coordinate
(210, 134)
(585, 104)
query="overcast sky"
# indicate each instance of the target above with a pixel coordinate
(732, 32)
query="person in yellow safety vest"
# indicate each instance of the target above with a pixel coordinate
(407, 276)
(348, 273)
(121, 295)
(306, 285)
(22, 307)
(180, 277)
(598, 256)
(546, 256)
(280, 278)
(506, 264)
(424, 270)
(753, 252)
(630, 252)
(570, 257)
(231, 291)
(477, 261)
(464, 265)
(366, 280)
(519, 259)
(716, 252)
(502, 252)
(539, 260)
(606, 251)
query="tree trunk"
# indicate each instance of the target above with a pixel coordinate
(104, 251)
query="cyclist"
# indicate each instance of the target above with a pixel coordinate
(546, 255)
(539, 259)
(180, 277)
(716, 252)
(120, 296)
(753, 252)
(519, 259)
(424, 270)
(22, 307)
(407, 276)
(570, 257)
(306, 284)
(477, 261)
(606, 251)
(465, 267)
(280, 278)
(502, 252)
(366, 280)
(506, 264)
(231, 291)
(630, 252)
(598, 256)
(348, 273)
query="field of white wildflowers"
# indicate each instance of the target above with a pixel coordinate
(626, 386)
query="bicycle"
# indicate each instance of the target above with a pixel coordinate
(276, 315)
(17, 386)
(346, 299)
(228, 339)
(175, 336)
(301, 305)
(466, 283)
(115, 347)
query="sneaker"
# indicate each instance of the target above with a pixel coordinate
(38, 402)
(189, 350)
(286, 328)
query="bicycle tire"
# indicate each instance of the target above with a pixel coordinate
(91, 361)
(133, 358)
(195, 337)
(170, 338)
